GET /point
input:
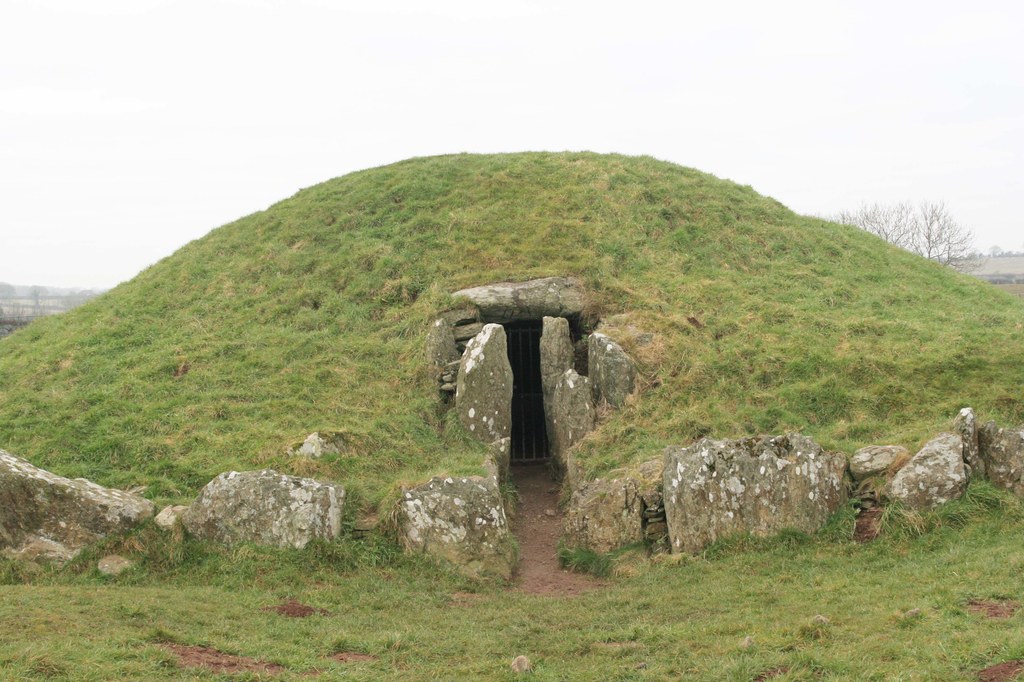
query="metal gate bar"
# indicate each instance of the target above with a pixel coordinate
(529, 436)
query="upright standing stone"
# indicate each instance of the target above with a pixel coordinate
(1002, 451)
(459, 520)
(556, 356)
(266, 508)
(612, 372)
(933, 476)
(756, 485)
(572, 416)
(966, 424)
(483, 393)
(441, 344)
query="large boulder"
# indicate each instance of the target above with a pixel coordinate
(933, 476)
(532, 300)
(1002, 453)
(966, 425)
(556, 356)
(875, 460)
(716, 488)
(266, 508)
(46, 516)
(461, 521)
(612, 372)
(604, 515)
(572, 416)
(483, 393)
(499, 459)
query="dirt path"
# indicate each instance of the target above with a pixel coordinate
(538, 526)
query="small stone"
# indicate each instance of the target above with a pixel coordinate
(114, 565)
(912, 613)
(820, 620)
(521, 664)
(550, 513)
(169, 515)
(747, 642)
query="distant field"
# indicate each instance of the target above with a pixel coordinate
(1011, 265)
(1017, 289)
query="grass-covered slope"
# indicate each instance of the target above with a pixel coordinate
(311, 316)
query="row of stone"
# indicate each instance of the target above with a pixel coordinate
(45, 516)
(761, 486)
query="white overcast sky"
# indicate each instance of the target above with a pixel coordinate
(128, 128)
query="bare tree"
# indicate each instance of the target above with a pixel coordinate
(927, 230)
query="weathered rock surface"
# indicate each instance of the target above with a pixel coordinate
(483, 394)
(716, 488)
(532, 300)
(266, 508)
(572, 415)
(556, 356)
(169, 516)
(966, 425)
(461, 521)
(440, 345)
(114, 565)
(612, 372)
(43, 515)
(316, 446)
(1002, 453)
(875, 460)
(604, 515)
(933, 476)
(498, 459)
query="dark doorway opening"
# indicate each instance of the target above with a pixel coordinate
(529, 435)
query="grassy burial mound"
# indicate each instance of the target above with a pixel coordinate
(311, 316)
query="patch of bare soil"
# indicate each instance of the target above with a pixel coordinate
(538, 527)
(769, 674)
(869, 522)
(294, 609)
(218, 661)
(465, 598)
(991, 608)
(1010, 670)
(352, 657)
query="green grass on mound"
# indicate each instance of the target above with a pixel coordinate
(311, 315)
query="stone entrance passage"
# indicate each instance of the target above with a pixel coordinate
(529, 435)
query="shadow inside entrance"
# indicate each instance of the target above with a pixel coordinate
(538, 527)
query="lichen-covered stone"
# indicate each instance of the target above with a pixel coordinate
(266, 508)
(1002, 453)
(532, 300)
(966, 425)
(612, 372)
(604, 515)
(556, 356)
(461, 521)
(716, 488)
(498, 459)
(572, 416)
(43, 515)
(440, 345)
(316, 446)
(483, 394)
(875, 460)
(933, 476)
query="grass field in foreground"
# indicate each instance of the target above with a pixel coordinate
(658, 619)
